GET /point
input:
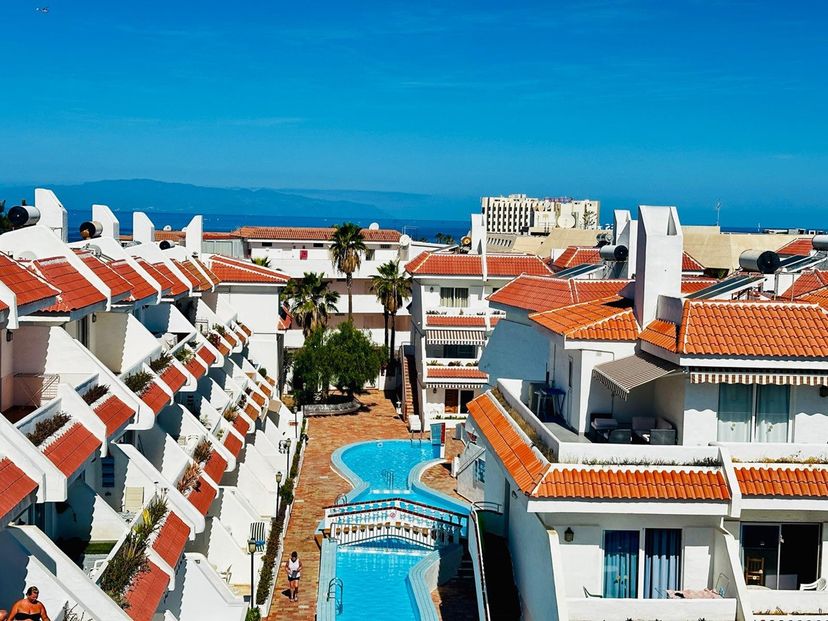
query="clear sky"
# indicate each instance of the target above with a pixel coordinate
(631, 101)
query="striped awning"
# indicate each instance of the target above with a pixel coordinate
(455, 337)
(623, 375)
(780, 377)
(463, 384)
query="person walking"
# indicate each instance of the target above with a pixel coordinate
(29, 608)
(293, 567)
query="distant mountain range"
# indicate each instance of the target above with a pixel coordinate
(129, 195)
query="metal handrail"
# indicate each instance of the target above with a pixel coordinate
(381, 503)
(476, 508)
(335, 585)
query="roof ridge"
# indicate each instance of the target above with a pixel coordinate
(599, 321)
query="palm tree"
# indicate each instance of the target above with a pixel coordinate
(391, 287)
(346, 254)
(263, 261)
(310, 301)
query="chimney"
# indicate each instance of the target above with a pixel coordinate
(111, 225)
(658, 256)
(194, 234)
(143, 230)
(52, 213)
(625, 233)
(477, 234)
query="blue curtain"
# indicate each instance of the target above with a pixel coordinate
(662, 561)
(621, 563)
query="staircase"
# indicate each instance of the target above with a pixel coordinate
(500, 582)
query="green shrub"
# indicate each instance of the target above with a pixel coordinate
(47, 427)
(183, 354)
(138, 381)
(160, 363)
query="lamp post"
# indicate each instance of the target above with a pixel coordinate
(251, 547)
(278, 491)
(296, 422)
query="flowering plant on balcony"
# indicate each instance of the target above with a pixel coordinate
(160, 363)
(183, 354)
(47, 427)
(138, 381)
(214, 339)
(231, 413)
(217, 327)
(202, 451)
(189, 478)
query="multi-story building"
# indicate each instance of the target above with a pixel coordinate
(518, 213)
(131, 396)
(650, 453)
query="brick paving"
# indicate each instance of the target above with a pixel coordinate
(319, 486)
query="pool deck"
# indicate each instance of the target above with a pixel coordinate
(319, 486)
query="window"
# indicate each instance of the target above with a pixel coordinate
(267, 244)
(621, 563)
(780, 556)
(662, 562)
(750, 413)
(318, 245)
(569, 377)
(369, 254)
(385, 246)
(454, 297)
(479, 471)
(451, 351)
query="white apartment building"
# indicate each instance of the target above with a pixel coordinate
(129, 385)
(518, 213)
(648, 453)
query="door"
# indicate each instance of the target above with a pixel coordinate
(465, 397)
(662, 562)
(621, 563)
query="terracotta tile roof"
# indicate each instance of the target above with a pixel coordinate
(247, 330)
(202, 495)
(155, 397)
(661, 334)
(114, 413)
(820, 297)
(75, 291)
(204, 283)
(156, 274)
(173, 378)
(310, 233)
(259, 399)
(757, 329)
(195, 368)
(610, 319)
(195, 281)
(241, 425)
(230, 270)
(633, 484)
(215, 466)
(223, 349)
(456, 372)
(250, 410)
(271, 380)
(178, 285)
(536, 293)
(240, 335)
(801, 246)
(689, 264)
(691, 285)
(140, 288)
(576, 255)
(14, 487)
(71, 448)
(26, 285)
(171, 539)
(445, 321)
(119, 287)
(806, 283)
(524, 466)
(232, 444)
(206, 355)
(499, 265)
(211, 277)
(146, 592)
(231, 338)
(792, 481)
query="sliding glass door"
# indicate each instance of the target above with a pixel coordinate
(772, 414)
(751, 413)
(621, 563)
(735, 412)
(780, 556)
(662, 562)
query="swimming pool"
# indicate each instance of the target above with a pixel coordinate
(375, 574)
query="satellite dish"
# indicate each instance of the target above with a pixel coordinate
(566, 221)
(167, 227)
(374, 226)
(405, 240)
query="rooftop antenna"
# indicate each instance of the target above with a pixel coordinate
(718, 209)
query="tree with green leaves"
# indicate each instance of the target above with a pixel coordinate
(353, 358)
(347, 248)
(311, 368)
(263, 261)
(444, 238)
(391, 287)
(310, 301)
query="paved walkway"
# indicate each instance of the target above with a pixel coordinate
(319, 486)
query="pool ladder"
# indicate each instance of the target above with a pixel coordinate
(336, 591)
(411, 436)
(388, 477)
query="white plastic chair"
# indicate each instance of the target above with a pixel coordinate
(818, 585)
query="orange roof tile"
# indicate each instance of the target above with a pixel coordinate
(206, 355)
(114, 413)
(211, 277)
(202, 495)
(75, 291)
(155, 397)
(146, 592)
(445, 321)
(232, 444)
(241, 425)
(692, 284)
(801, 246)
(230, 270)
(311, 233)
(119, 287)
(247, 330)
(610, 319)
(171, 539)
(160, 277)
(26, 285)
(173, 378)
(758, 329)
(499, 265)
(259, 399)
(536, 293)
(576, 255)
(193, 279)
(178, 286)
(689, 264)
(195, 368)
(250, 410)
(661, 334)
(524, 466)
(223, 349)
(456, 372)
(633, 484)
(772, 481)
(14, 487)
(72, 448)
(192, 269)
(806, 283)
(215, 466)
(140, 288)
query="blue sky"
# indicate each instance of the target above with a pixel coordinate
(626, 101)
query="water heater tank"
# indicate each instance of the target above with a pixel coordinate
(23, 215)
(612, 252)
(762, 261)
(90, 229)
(820, 242)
